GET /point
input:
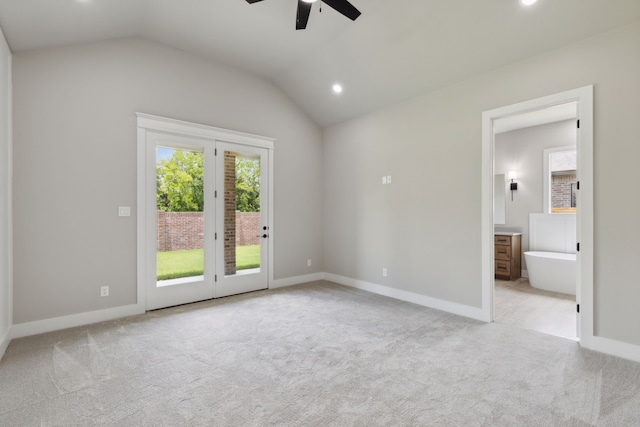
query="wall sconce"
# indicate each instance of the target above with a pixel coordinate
(514, 185)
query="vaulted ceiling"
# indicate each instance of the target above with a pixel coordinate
(395, 50)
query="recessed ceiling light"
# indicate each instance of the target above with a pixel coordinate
(337, 88)
(309, 1)
(527, 2)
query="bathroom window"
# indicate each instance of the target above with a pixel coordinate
(560, 176)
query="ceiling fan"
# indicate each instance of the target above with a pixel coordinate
(304, 8)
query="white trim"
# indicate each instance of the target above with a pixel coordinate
(616, 348)
(297, 280)
(584, 217)
(141, 223)
(270, 219)
(423, 300)
(6, 339)
(71, 321)
(163, 124)
(487, 226)
(10, 195)
(179, 281)
(584, 292)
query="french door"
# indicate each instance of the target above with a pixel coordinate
(207, 225)
(241, 221)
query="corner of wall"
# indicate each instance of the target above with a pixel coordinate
(412, 297)
(4, 342)
(6, 311)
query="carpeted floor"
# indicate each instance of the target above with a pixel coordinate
(311, 355)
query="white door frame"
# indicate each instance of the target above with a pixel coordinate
(241, 281)
(190, 289)
(584, 216)
(149, 123)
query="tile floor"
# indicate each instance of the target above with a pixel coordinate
(517, 303)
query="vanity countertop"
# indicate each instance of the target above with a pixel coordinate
(506, 233)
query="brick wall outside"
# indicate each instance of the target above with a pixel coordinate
(229, 234)
(179, 231)
(248, 228)
(561, 190)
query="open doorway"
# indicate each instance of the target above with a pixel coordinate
(535, 224)
(583, 99)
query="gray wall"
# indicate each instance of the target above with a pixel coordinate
(75, 163)
(5, 206)
(425, 227)
(522, 151)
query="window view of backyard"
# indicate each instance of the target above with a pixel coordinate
(180, 212)
(563, 165)
(176, 264)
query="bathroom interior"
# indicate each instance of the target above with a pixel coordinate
(535, 205)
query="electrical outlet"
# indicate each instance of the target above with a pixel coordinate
(104, 291)
(384, 272)
(388, 179)
(308, 263)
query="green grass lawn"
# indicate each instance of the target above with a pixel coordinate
(175, 264)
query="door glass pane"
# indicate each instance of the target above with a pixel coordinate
(242, 227)
(180, 215)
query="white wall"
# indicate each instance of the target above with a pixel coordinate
(5, 193)
(522, 151)
(75, 163)
(425, 227)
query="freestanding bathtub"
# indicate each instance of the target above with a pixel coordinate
(552, 271)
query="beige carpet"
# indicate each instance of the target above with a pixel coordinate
(311, 355)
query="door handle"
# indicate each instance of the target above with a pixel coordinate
(264, 236)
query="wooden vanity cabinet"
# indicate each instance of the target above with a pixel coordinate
(507, 256)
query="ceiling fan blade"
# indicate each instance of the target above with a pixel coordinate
(302, 15)
(253, 1)
(344, 7)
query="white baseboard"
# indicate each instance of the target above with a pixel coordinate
(81, 319)
(290, 281)
(71, 321)
(438, 304)
(4, 342)
(615, 348)
(600, 344)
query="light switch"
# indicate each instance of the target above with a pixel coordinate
(384, 180)
(124, 211)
